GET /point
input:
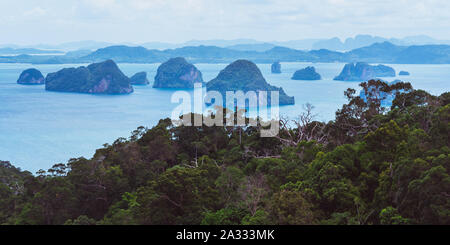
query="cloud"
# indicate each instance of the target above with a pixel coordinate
(35, 12)
(181, 20)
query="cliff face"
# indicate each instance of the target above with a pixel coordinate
(363, 72)
(177, 73)
(276, 68)
(98, 78)
(31, 77)
(308, 73)
(245, 75)
(139, 78)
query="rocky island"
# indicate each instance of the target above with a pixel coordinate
(177, 73)
(363, 71)
(31, 77)
(276, 68)
(97, 78)
(245, 75)
(308, 73)
(139, 78)
(403, 73)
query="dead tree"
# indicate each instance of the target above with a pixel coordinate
(253, 191)
(305, 128)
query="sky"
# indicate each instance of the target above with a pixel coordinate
(26, 22)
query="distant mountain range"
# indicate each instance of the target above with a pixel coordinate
(366, 40)
(334, 44)
(16, 51)
(260, 47)
(384, 52)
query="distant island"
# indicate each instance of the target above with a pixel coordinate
(18, 51)
(382, 52)
(276, 68)
(362, 72)
(98, 78)
(31, 77)
(244, 75)
(403, 73)
(308, 73)
(177, 73)
(139, 78)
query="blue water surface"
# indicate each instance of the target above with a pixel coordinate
(40, 128)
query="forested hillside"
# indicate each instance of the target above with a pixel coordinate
(371, 165)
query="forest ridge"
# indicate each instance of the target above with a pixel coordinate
(371, 165)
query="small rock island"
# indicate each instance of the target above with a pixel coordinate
(97, 78)
(245, 75)
(403, 73)
(139, 78)
(177, 73)
(31, 77)
(276, 68)
(308, 73)
(362, 72)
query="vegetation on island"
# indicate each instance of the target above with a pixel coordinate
(97, 78)
(177, 73)
(371, 165)
(308, 73)
(361, 71)
(245, 76)
(275, 68)
(139, 78)
(31, 76)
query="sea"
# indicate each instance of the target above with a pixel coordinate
(39, 128)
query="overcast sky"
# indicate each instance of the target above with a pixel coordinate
(138, 21)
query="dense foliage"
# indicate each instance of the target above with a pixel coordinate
(369, 166)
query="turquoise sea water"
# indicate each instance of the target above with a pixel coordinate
(40, 128)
